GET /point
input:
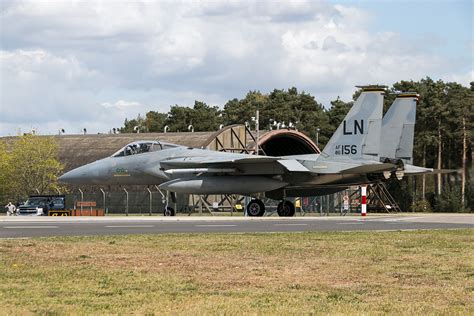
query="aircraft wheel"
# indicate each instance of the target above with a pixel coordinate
(255, 208)
(286, 209)
(169, 211)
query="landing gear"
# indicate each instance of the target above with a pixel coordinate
(286, 209)
(255, 208)
(169, 211)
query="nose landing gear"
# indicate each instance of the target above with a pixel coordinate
(168, 211)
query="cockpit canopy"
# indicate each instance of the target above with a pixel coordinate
(141, 147)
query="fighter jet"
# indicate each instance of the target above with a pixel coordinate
(353, 156)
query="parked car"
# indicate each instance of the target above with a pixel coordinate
(40, 205)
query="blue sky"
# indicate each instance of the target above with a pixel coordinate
(450, 21)
(75, 64)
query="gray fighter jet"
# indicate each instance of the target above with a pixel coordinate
(356, 154)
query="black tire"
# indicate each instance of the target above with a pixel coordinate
(169, 211)
(286, 209)
(255, 208)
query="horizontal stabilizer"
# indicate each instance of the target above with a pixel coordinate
(411, 170)
(370, 168)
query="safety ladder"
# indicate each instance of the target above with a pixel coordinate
(379, 198)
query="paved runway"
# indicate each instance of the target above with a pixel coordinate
(17, 227)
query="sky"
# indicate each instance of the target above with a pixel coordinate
(90, 64)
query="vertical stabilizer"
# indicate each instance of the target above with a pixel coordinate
(398, 128)
(358, 136)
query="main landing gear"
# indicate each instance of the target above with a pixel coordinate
(285, 209)
(256, 208)
(169, 211)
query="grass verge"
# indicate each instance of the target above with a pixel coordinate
(362, 272)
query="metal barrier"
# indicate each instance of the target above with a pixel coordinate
(148, 201)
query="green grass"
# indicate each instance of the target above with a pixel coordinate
(362, 272)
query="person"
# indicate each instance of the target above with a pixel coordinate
(39, 211)
(11, 209)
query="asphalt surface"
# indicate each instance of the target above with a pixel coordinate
(18, 227)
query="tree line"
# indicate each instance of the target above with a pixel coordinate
(30, 165)
(443, 132)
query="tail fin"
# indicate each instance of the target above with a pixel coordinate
(358, 136)
(398, 128)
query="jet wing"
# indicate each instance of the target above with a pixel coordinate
(189, 162)
(242, 165)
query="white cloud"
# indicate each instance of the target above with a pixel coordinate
(120, 104)
(81, 62)
(47, 92)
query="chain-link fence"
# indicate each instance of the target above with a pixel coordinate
(127, 201)
(144, 200)
(151, 201)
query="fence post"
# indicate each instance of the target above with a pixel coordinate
(320, 205)
(82, 198)
(103, 200)
(126, 206)
(328, 204)
(151, 197)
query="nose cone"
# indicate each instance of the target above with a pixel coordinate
(74, 176)
(93, 173)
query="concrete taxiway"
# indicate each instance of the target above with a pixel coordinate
(17, 227)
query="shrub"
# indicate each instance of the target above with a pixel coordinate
(421, 206)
